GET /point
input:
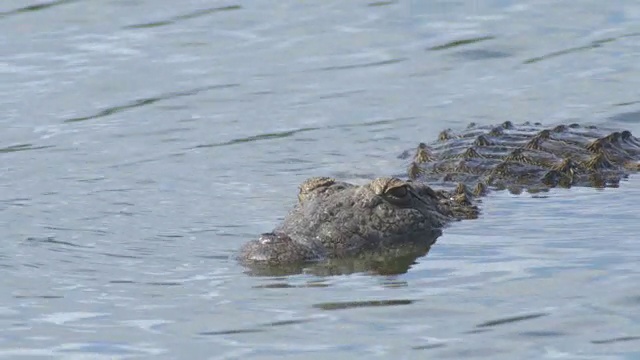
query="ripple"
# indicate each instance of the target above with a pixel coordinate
(592, 45)
(36, 7)
(23, 147)
(615, 340)
(361, 304)
(289, 133)
(147, 101)
(429, 346)
(509, 320)
(363, 65)
(259, 328)
(382, 3)
(461, 42)
(52, 240)
(191, 15)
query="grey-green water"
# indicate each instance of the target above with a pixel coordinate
(142, 142)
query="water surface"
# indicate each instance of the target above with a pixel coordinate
(143, 142)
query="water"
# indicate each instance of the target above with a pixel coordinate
(142, 143)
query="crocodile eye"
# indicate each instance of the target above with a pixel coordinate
(398, 192)
(391, 189)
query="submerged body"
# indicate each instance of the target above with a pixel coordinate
(389, 217)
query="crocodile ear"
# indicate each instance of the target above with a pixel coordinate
(313, 184)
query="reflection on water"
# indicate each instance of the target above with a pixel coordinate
(142, 143)
(394, 262)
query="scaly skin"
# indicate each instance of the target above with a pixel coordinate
(389, 218)
(527, 157)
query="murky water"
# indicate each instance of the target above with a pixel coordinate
(144, 141)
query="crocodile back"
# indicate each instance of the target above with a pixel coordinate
(526, 157)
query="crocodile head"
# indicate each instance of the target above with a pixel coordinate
(337, 220)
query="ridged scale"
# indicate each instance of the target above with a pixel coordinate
(525, 157)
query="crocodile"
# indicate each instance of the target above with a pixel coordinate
(389, 218)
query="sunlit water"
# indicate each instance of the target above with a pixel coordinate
(142, 142)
